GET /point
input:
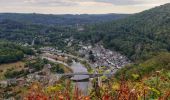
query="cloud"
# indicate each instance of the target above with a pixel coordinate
(78, 6)
(76, 2)
(50, 2)
(44, 3)
(121, 2)
(127, 2)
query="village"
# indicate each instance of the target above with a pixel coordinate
(104, 57)
(112, 61)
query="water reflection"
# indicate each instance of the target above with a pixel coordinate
(77, 67)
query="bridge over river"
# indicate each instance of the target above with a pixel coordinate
(85, 73)
(78, 76)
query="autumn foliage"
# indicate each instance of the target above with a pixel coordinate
(104, 92)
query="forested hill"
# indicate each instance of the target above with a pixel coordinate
(67, 19)
(138, 36)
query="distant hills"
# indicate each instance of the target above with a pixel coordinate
(67, 19)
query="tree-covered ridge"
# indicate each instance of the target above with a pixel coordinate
(137, 36)
(25, 33)
(67, 19)
(10, 52)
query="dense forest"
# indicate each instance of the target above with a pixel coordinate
(46, 29)
(25, 33)
(10, 52)
(137, 36)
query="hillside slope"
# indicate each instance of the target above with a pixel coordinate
(137, 36)
(160, 62)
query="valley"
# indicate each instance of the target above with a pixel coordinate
(86, 56)
(68, 63)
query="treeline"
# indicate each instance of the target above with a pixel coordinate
(64, 20)
(10, 52)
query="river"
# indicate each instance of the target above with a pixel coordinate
(83, 85)
(76, 67)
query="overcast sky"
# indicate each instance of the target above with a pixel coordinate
(78, 6)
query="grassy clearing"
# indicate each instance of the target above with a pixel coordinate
(16, 66)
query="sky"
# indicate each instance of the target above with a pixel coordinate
(78, 6)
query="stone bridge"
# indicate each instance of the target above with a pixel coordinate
(91, 75)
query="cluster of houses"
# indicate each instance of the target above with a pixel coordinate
(50, 49)
(105, 57)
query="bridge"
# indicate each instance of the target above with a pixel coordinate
(91, 75)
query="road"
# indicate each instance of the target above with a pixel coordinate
(55, 61)
(67, 55)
